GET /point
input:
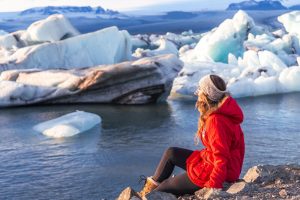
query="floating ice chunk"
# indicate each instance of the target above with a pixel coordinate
(187, 33)
(54, 28)
(225, 39)
(7, 41)
(291, 22)
(166, 47)
(68, 125)
(139, 41)
(182, 39)
(146, 41)
(253, 87)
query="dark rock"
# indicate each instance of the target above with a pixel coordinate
(266, 174)
(155, 195)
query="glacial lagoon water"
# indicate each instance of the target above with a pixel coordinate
(99, 163)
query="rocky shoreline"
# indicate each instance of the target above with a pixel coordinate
(260, 182)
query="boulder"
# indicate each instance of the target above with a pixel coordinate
(266, 174)
(210, 193)
(128, 194)
(237, 187)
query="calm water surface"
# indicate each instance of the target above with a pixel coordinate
(101, 162)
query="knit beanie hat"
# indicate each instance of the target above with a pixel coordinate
(209, 89)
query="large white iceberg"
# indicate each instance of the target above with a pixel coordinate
(106, 46)
(142, 81)
(68, 125)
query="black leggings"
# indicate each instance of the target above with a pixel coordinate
(180, 184)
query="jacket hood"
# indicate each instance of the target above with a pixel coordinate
(232, 110)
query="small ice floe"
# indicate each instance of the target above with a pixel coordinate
(68, 125)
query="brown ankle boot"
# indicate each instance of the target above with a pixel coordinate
(149, 186)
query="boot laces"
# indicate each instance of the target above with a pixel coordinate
(143, 178)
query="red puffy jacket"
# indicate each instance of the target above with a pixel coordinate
(222, 158)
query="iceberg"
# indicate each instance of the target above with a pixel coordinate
(179, 40)
(146, 80)
(68, 125)
(225, 39)
(241, 81)
(106, 46)
(166, 47)
(291, 22)
(54, 28)
(8, 41)
(260, 62)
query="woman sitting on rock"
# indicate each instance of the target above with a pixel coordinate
(223, 140)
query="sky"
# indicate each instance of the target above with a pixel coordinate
(127, 5)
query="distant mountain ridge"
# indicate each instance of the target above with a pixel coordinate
(295, 7)
(257, 5)
(49, 10)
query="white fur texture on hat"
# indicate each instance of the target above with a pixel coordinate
(207, 86)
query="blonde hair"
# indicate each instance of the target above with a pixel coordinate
(206, 108)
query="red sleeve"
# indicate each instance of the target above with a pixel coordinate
(218, 141)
